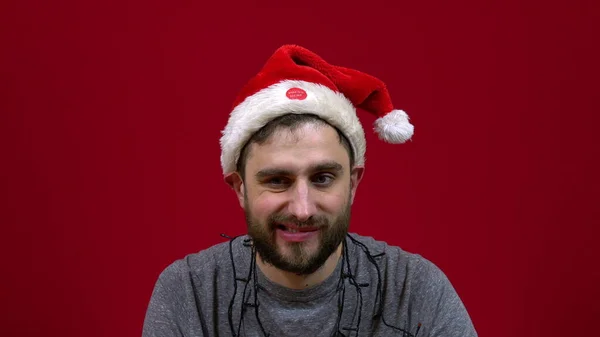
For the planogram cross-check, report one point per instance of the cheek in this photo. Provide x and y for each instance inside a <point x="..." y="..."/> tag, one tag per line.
<point x="265" y="205"/>
<point x="333" y="203"/>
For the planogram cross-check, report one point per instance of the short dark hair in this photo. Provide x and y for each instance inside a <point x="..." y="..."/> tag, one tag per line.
<point x="291" y="122"/>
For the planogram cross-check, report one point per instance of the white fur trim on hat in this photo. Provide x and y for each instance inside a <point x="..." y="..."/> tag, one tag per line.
<point x="257" y="110"/>
<point x="394" y="127"/>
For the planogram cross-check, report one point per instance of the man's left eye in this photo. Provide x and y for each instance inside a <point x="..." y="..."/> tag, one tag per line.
<point x="323" y="179"/>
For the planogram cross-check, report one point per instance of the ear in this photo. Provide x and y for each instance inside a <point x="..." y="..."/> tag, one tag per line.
<point x="355" y="178"/>
<point x="237" y="184"/>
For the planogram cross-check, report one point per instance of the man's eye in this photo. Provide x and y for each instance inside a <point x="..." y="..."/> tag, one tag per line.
<point x="323" y="179"/>
<point x="276" y="181"/>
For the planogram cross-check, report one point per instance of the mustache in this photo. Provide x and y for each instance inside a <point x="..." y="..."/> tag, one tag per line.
<point x="315" y="221"/>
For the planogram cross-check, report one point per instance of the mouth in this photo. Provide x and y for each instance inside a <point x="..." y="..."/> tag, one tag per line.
<point x="293" y="233"/>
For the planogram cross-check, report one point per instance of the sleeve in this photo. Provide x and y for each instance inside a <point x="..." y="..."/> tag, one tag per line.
<point x="445" y="312"/>
<point x="168" y="310"/>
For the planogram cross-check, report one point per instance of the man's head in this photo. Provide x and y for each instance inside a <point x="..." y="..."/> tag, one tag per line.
<point x="296" y="176"/>
<point x="296" y="181"/>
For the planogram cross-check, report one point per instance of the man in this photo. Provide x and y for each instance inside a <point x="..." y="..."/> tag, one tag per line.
<point x="293" y="151"/>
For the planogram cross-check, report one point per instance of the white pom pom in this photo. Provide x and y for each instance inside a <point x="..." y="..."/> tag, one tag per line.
<point x="394" y="127"/>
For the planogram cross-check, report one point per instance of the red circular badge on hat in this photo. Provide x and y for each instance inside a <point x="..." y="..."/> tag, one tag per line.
<point x="296" y="93"/>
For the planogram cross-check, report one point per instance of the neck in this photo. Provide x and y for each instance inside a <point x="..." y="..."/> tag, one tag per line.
<point x="295" y="281"/>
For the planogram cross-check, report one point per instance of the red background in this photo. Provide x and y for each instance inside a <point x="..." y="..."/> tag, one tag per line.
<point x="111" y="113"/>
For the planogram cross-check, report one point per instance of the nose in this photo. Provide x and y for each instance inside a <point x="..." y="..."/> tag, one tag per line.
<point x="302" y="204"/>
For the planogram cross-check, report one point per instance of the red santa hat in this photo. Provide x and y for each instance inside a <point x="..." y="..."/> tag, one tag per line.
<point x="296" y="80"/>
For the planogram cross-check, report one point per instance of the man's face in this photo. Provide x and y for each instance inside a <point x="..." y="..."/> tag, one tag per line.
<point x="297" y="194"/>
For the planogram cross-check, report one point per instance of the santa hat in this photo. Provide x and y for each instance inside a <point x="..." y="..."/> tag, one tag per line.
<point x="296" y="80"/>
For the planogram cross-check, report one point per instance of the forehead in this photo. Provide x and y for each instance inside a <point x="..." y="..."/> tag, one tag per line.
<point x="302" y="147"/>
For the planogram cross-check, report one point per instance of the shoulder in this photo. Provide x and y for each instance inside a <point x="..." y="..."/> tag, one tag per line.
<point x="418" y="281"/>
<point x="187" y="291"/>
<point x="394" y="258"/>
<point x="199" y="267"/>
<point x="422" y="277"/>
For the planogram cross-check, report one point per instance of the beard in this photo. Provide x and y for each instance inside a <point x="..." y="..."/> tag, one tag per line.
<point x="300" y="259"/>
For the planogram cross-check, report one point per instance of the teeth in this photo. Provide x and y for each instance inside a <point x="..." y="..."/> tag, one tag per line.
<point x="292" y="230"/>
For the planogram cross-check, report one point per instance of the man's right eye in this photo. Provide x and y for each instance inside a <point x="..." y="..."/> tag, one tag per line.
<point x="276" y="181"/>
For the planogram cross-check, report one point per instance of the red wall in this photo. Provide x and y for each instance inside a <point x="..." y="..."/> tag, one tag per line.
<point x="111" y="113"/>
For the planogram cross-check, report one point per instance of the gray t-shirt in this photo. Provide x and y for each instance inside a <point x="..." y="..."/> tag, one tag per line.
<point x="375" y="290"/>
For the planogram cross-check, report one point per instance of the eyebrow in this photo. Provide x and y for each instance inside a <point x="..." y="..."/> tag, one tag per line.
<point x="324" y="166"/>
